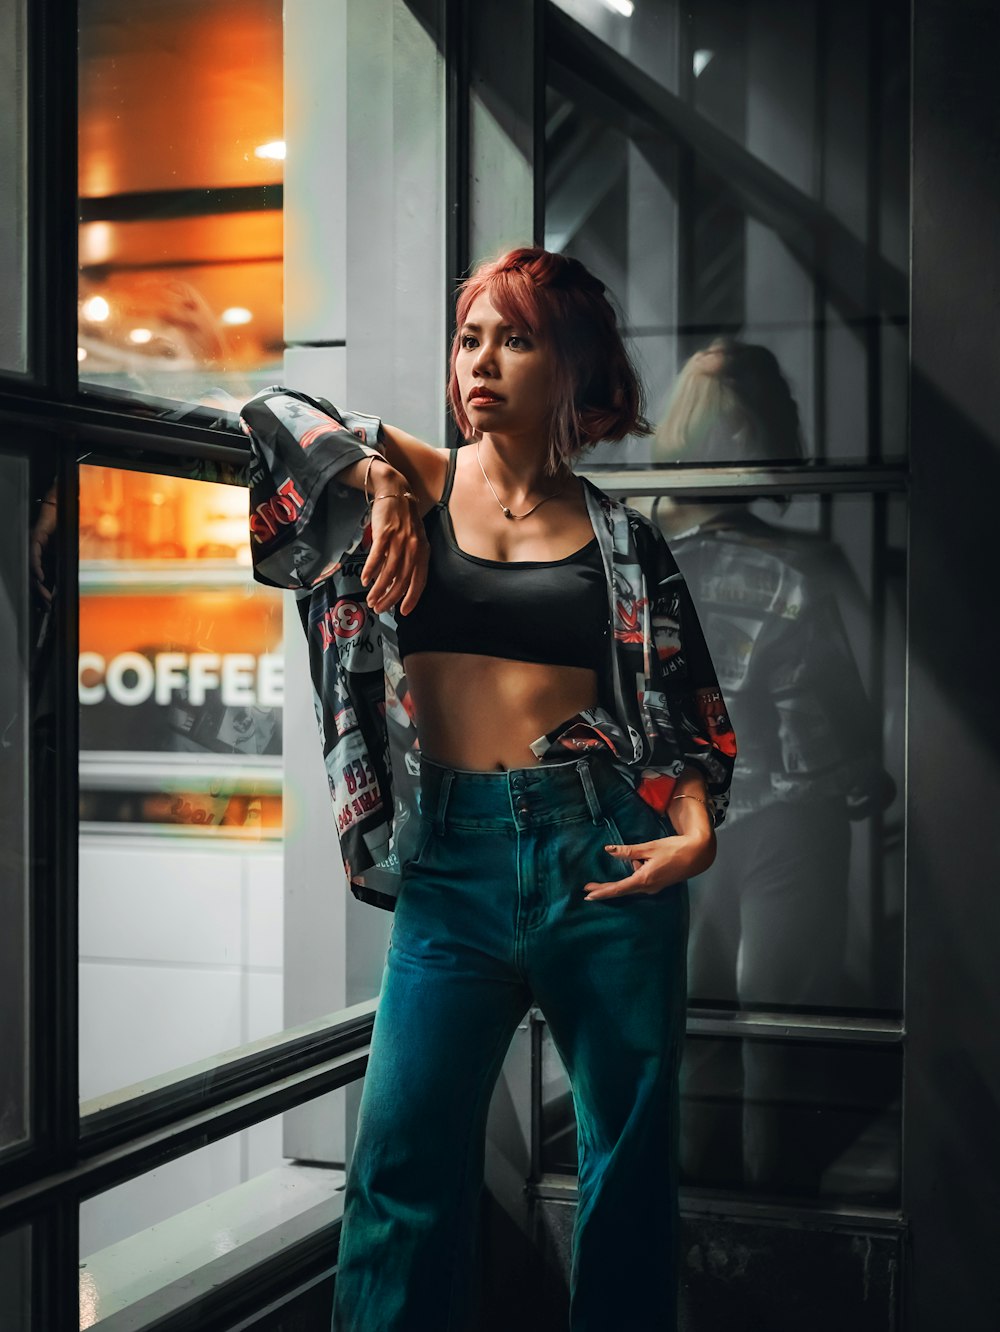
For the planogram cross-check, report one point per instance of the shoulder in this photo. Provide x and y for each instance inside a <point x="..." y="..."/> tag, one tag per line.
<point x="651" y="548"/>
<point x="651" y="545"/>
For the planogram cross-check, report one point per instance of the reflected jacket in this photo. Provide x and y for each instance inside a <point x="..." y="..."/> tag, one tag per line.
<point x="312" y="534"/>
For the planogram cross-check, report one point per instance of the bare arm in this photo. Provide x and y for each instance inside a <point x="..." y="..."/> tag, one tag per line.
<point x="398" y="558"/>
<point x="409" y="464"/>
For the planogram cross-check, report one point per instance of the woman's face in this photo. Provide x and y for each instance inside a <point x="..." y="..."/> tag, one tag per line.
<point x="504" y="374"/>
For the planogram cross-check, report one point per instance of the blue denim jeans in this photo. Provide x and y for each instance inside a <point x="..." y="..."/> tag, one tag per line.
<point x="491" y="918"/>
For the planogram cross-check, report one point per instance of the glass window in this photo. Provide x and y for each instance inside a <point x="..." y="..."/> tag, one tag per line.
<point x="181" y="692"/>
<point x="201" y="1221"/>
<point x="775" y="1118"/>
<point x="26" y="632"/>
<point x="289" y="226"/>
<point x="803" y="606"/>
<point x="13" y="187"/>
<point x="213" y="904"/>
<point x="181" y="196"/>
<point x="740" y="171"/>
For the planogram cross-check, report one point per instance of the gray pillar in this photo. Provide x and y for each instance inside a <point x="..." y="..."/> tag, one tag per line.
<point x="365" y="287"/>
<point x="952" y="1149"/>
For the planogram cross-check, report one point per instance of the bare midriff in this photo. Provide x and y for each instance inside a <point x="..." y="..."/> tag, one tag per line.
<point x="483" y="712"/>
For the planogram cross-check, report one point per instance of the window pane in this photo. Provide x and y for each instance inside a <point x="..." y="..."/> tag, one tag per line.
<point x="742" y="171"/>
<point x="13" y="187"/>
<point x="202" y="1220"/>
<point x="775" y="1118"/>
<point x="214" y="907"/>
<point x="181" y="196"/>
<point x="24" y="627"/>
<point x="803" y="608"/>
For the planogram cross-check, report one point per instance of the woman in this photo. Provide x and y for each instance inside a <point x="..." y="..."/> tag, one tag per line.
<point x="552" y="856"/>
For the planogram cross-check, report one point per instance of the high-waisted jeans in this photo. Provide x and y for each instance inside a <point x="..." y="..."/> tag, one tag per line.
<point x="490" y="918"/>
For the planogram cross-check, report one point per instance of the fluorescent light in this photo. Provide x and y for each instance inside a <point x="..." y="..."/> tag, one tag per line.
<point x="236" y="314"/>
<point x="140" y="335"/>
<point x="701" y="59"/>
<point x="624" y="7"/>
<point x="273" y="152"/>
<point x="96" y="309"/>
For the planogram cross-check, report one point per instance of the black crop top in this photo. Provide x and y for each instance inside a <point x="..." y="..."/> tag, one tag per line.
<point x="553" y="611"/>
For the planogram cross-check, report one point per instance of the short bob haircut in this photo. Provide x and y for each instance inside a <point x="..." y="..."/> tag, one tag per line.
<point x="596" y="393"/>
<point x="731" y="403"/>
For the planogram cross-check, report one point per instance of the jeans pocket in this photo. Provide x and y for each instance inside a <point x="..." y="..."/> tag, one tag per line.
<point x="424" y="835"/>
<point x="621" y="867"/>
<point x="633" y="820"/>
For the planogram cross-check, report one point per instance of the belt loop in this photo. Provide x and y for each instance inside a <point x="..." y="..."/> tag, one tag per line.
<point x="593" y="804"/>
<point x="447" y="777"/>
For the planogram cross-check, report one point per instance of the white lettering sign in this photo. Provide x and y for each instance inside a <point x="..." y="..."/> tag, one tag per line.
<point x="240" y="679"/>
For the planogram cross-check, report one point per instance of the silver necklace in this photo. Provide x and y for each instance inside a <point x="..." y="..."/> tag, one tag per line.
<point x="506" y="512"/>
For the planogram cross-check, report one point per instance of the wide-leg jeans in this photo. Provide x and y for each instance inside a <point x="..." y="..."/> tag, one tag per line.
<point x="491" y="918"/>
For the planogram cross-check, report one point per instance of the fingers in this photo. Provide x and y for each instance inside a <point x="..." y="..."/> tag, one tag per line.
<point x="418" y="581"/>
<point x="641" y="880"/>
<point x="619" y="888"/>
<point x="398" y="562"/>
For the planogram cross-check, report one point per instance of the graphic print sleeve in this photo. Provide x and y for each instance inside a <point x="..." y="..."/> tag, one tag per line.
<point x="303" y="522"/>
<point x="695" y="706"/>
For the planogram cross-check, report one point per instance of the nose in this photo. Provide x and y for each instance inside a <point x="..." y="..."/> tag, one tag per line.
<point x="485" y="360"/>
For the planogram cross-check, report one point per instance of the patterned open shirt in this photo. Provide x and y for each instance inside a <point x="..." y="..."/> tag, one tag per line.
<point x="312" y="534"/>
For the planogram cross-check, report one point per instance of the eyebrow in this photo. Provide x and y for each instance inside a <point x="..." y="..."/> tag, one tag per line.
<point x="478" y="328"/>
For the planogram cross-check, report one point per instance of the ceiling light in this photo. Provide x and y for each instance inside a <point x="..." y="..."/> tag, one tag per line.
<point x="81" y="353"/>
<point x="140" y="335"/>
<point x="236" y="314"/>
<point x="96" y="309"/>
<point x="625" y="7"/>
<point x="272" y="152"/>
<point x="701" y="59"/>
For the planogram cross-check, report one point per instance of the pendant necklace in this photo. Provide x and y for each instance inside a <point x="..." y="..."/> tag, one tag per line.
<point x="503" y="508"/>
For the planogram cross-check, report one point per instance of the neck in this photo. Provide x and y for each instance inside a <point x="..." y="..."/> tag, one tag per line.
<point x="516" y="465"/>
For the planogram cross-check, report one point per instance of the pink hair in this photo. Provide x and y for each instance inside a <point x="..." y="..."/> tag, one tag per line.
<point x="596" y="392"/>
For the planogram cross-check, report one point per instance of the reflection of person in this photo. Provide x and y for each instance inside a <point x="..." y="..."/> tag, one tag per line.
<point x="539" y="872"/>
<point x="769" y="922"/>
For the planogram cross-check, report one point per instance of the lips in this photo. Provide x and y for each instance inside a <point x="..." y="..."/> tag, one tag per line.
<point x="483" y="396"/>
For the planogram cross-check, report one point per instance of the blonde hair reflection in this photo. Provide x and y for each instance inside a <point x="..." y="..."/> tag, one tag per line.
<point x="730" y="403"/>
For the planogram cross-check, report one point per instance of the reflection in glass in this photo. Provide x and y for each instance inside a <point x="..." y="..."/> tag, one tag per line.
<point x="24" y="628"/>
<point x="180" y="292"/>
<point x="813" y="1121"/>
<point x="742" y="170"/>
<point x="13" y="187"/>
<point x="776" y="587"/>
<point x="197" y="1222"/>
<point x="181" y="686"/>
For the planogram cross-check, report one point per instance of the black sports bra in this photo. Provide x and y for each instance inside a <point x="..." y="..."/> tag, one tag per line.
<point x="553" y="611"/>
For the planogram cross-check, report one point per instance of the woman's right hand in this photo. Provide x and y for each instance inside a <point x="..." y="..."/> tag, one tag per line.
<point x="397" y="561"/>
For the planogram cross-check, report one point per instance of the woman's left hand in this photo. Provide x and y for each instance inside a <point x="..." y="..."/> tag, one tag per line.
<point x="657" y="864"/>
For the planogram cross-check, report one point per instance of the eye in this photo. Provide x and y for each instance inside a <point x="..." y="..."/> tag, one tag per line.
<point x="467" y="340"/>
<point x="521" y="342"/>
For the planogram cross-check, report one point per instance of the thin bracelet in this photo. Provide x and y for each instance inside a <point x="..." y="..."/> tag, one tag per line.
<point x="368" y="469"/>
<point x="394" y="494"/>
<point x="682" y="795"/>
